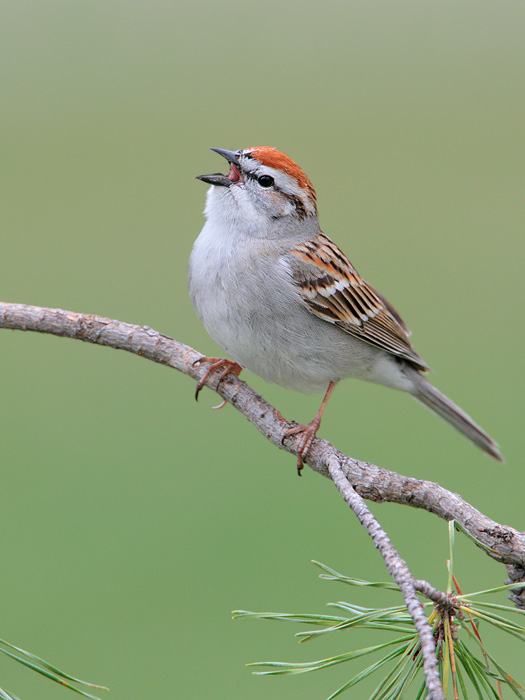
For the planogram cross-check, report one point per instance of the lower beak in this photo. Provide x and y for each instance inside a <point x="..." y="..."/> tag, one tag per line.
<point x="224" y="180"/>
<point x="216" y="179"/>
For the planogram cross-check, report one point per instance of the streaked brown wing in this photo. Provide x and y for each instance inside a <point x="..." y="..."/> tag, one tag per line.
<point x="334" y="291"/>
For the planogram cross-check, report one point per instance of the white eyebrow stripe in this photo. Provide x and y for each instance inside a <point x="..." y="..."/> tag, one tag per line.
<point x="285" y="182"/>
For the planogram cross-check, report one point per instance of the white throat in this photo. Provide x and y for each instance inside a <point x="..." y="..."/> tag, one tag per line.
<point x="231" y="211"/>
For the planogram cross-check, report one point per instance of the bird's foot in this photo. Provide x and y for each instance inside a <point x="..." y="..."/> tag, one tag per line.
<point x="216" y="363"/>
<point x="307" y="432"/>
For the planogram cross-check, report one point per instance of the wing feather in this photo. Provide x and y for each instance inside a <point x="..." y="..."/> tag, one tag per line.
<point x="333" y="290"/>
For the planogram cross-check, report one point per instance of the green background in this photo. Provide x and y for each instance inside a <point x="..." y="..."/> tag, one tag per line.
<point x="134" y="520"/>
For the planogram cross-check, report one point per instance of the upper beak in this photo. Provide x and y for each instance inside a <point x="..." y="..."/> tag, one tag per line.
<point x="218" y="178"/>
<point x="231" y="156"/>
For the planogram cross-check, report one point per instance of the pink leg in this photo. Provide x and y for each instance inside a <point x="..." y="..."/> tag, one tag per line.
<point x="308" y="431"/>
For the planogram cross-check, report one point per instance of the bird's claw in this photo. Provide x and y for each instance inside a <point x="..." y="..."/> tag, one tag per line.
<point x="215" y="363"/>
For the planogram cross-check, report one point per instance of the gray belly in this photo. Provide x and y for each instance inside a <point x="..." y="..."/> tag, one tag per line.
<point x="280" y="340"/>
<point x="261" y="322"/>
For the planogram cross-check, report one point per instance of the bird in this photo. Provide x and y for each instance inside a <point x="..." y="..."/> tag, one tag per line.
<point x="283" y="301"/>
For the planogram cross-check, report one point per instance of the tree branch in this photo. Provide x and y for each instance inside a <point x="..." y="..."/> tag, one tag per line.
<point x="371" y="482"/>
<point x="354" y="479"/>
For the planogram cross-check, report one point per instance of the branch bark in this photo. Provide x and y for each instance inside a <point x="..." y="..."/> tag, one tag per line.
<point x="371" y="482"/>
<point x="354" y="479"/>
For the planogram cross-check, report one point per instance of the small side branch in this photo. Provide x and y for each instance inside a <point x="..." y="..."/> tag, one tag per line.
<point x="371" y="482"/>
<point x="437" y="597"/>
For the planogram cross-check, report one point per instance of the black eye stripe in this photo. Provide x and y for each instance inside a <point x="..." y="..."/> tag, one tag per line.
<point x="299" y="206"/>
<point x="254" y="176"/>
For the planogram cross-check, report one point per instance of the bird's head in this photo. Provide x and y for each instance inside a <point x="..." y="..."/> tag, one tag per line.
<point x="265" y="192"/>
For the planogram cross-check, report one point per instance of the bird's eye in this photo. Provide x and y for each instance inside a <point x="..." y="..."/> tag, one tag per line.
<point x="265" y="180"/>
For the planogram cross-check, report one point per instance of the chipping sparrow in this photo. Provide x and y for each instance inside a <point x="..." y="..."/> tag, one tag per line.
<point x="283" y="301"/>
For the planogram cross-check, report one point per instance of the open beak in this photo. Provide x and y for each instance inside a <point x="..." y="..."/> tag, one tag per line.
<point x="219" y="179"/>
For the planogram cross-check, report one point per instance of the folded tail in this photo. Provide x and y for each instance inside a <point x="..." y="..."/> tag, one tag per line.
<point x="447" y="409"/>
